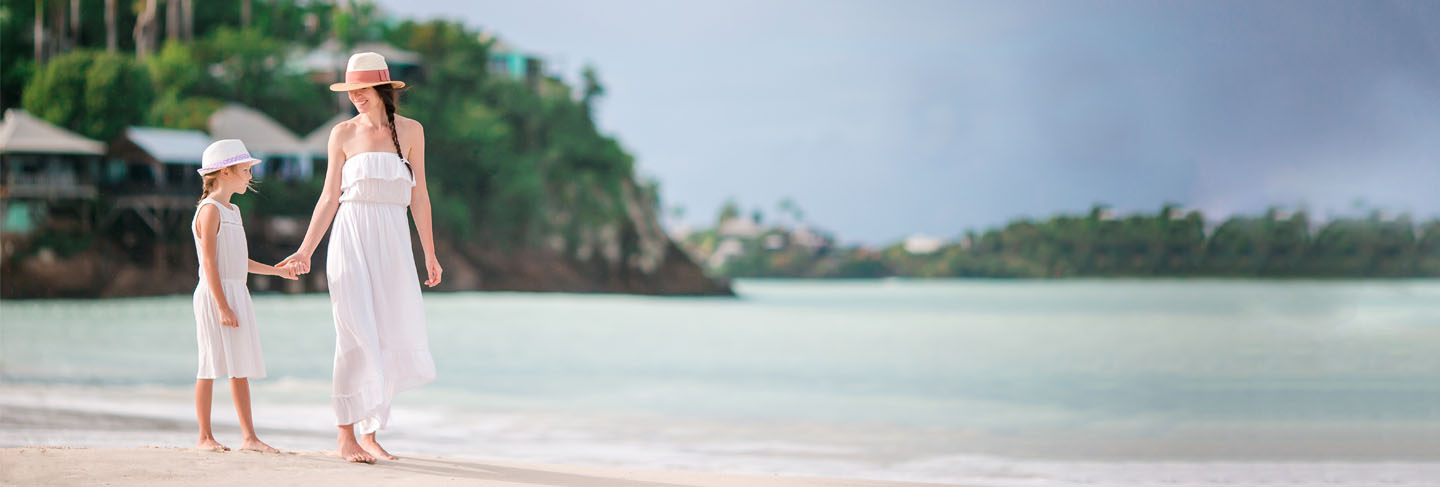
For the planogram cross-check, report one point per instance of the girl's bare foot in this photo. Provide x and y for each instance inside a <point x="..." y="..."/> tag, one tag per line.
<point x="368" y="442"/>
<point x="351" y="451"/>
<point x="211" y="444"/>
<point x="254" y="444"/>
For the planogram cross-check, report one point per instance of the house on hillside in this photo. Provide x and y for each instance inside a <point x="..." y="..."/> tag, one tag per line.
<point x="317" y="143"/>
<point x="150" y="178"/>
<point x="922" y="244"/>
<point x="738" y="227"/>
<point x="517" y="65"/>
<point x="1177" y="213"/>
<point x="146" y="159"/>
<point x="808" y="239"/>
<point x="325" y="63"/>
<point x="724" y="251"/>
<point x="47" y="175"/>
<point x="285" y="157"/>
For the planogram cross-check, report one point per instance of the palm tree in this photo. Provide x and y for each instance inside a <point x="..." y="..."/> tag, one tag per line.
<point x="59" y="36"/>
<point x="39" y="31"/>
<point x="593" y="89"/>
<point x="172" y="20"/>
<point x="729" y="210"/>
<point x="112" y="43"/>
<point x="146" y="29"/>
<point x="75" y="23"/>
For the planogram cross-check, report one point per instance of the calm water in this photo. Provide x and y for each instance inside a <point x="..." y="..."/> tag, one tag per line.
<point x="982" y="382"/>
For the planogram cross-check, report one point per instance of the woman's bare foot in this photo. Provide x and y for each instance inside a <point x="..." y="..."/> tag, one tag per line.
<point x="350" y="450"/>
<point x="211" y="444"/>
<point x="254" y="444"/>
<point x="368" y="442"/>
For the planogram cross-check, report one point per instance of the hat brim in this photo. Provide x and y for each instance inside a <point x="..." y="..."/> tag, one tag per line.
<point x="251" y="161"/>
<point x="356" y="86"/>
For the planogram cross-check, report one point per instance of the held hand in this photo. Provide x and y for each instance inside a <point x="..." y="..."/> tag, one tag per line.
<point x="286" y="271"/>
<point x="433" y="267"/>
<point x="300" y="260"/>
<point x="227" y="317"/>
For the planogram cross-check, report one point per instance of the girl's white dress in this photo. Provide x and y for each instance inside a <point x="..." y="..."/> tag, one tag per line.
<point x="380" y="341"/>
<point x="224" y="350"/>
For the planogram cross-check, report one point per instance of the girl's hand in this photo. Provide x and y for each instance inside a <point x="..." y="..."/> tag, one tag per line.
<point x="433" y="267"/>
<point x="300" y="260"/>
<point x="227" y="317"/>
<point x="286" y="271"/>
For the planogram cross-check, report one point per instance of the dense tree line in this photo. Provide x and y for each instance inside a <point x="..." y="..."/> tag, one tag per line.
<point x="517" y="162"/>
<point x="1167" y="244"/>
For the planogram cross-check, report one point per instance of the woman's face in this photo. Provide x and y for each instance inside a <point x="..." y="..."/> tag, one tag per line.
<point x="366" y="99"/>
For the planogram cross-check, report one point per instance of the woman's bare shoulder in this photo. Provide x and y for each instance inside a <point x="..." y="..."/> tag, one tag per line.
<point x="345" y="127"/>
<point x="407" y="123"/>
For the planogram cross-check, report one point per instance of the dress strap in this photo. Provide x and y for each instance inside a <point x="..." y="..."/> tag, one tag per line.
<point x="227" y="210"/>
<point x="225" y="213"/>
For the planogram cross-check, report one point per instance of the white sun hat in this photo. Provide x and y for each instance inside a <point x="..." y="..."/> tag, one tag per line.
<point x="366" y="69"/>
<point x="223" y="154"/>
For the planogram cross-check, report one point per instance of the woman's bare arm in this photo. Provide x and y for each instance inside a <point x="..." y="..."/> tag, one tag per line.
<point x="325" y="207"/>
<point x="420" y="201"/>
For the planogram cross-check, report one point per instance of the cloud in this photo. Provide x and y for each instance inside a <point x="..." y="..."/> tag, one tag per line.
<point x="884" y="119"/>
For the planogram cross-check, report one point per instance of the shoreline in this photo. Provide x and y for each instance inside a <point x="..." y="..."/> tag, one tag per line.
<point x="161" y="466"/>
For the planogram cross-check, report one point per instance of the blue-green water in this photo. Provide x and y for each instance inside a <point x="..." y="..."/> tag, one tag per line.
<point x="965" y="381"/>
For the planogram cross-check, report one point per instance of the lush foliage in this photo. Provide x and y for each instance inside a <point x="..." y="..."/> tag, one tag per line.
<point x="95" y="93"/>
<point x="521" y="161"/>
<point x="514" y="161"/>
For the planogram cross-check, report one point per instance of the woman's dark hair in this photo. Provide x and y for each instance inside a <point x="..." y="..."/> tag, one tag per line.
<point x="390" y="97"/>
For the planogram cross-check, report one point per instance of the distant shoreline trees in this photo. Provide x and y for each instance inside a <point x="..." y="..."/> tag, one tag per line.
<point x="1170" y="243"/>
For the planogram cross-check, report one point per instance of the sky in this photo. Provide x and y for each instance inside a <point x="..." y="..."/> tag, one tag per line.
<point x="884" y="119"/>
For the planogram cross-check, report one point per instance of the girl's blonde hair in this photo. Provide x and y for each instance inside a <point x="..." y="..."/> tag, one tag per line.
<point x="209" y="182"/>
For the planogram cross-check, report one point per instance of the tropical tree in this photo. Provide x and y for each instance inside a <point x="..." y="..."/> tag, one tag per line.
<point x="95" y="93"/>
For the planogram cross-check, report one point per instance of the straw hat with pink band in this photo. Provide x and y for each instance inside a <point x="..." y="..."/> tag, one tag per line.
<point x="366" y="69"/>
<point x="223" y="154"/>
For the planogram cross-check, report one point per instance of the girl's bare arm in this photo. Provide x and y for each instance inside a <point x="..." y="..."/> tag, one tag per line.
<point x="207" y="226"/>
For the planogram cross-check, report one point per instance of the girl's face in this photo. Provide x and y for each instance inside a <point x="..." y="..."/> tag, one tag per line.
<point x="366" y="99"/>
<point x="237" y="178"/>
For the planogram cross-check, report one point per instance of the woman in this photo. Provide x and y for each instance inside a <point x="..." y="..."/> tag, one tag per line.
<point x="376" y="169"/>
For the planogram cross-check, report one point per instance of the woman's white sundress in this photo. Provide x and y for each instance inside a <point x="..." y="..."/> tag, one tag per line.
<point x="381" y="346"/>
<point x="224" y="350"/>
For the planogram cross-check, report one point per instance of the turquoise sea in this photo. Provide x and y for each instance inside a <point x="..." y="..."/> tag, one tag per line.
<point x="979" y="382"/>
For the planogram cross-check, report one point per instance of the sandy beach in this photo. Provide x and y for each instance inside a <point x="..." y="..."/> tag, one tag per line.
<point x="151" y="466"/>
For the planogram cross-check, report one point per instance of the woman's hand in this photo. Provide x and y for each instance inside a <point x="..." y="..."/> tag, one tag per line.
<point x="300" y="260"/>
<point x="227" y="317"/>
<point x="433" y="267"/>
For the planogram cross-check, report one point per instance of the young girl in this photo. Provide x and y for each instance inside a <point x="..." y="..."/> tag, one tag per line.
<point x="224" y="319"/>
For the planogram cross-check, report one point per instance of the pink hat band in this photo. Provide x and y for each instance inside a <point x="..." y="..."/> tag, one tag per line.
<point x="228" y="161"/>
<point x="219" y="156"/>
<point x="368" y="76"/>
<point x="366" y="69"/>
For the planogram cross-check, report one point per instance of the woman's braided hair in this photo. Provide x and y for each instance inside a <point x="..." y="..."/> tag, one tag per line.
<point x="388" y="96"/>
